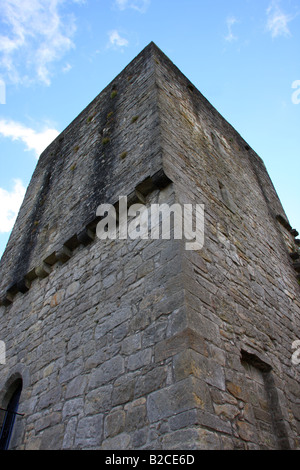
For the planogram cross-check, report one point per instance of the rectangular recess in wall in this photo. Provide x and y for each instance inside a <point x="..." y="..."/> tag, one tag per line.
<point x="264" y="403"/>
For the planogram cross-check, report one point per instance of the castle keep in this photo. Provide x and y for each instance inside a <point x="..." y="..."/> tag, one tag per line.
<point x="141" y="343"/>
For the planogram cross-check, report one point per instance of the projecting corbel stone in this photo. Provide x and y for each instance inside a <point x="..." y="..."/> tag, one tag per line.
<point x="6" y="299"/>
<point x="283" y="222"/>
<point x="160" y="179"/>
<point x="85" y="237"/>
<point x="31" y="276"/>
<point x="132" y="198"/>
<point x="145" y="187"/>
<point x="23" y="285"/>
<point x="297" y="266"/>
<point x="157" y="181"/>
<point x="50" y="259"/>
<point x="140" y="197"/>
<point x="63" y="255"/>
<point x="12" y="290"/>
<point x="72" y="243"/>
<point x="294" y="232"/>
<point x="92" y="224"/>
<point x="42" y="271"/>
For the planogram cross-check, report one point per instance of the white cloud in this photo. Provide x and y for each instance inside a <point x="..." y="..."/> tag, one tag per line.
<point x="277" y="20"/>
<point x="35" y="35"/>
<point x="10" y="202"/>
<point x="116" y="40"/>
<point x="230" y="22"/>
<point x="36" y="141"/>
<point x="67" y="68"/>
<point x="138" y="5"/>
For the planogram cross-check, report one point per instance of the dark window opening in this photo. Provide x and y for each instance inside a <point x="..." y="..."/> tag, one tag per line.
<point x="10" y="416"/>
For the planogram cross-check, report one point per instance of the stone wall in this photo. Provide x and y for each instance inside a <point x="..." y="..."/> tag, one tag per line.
<point x="241" y="289"/>
<point x="87" y="337"/>
<point x="142" y="344"/>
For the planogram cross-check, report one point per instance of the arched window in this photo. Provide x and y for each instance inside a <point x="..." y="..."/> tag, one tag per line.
<point x="10" y="415"/>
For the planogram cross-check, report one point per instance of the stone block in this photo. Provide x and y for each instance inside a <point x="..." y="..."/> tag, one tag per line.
<point x="114" y="423"/>
<point x="72" y="288"/>
<point x="76" y="387"/>
<point x="191" y="439"/>
<point x="136" y="416"/>
<point x="98" y="400"/>
<point x="184" y="340"/>
<point x="71" y="370"/>
<point x="69" y="435"/>
<point x="89" y="432"/>
<point x="123" y="390"/>
<point x="139" y="359"/>
<point x="107" y="372"/>
<point x="120" y="442"/>
<point x="187" y="394"/>
<point x="73" y="407"/>
<point x="150" y="381"/>
<point x="52" y="438"/>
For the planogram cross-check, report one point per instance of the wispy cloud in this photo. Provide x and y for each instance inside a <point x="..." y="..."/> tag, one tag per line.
<point x="66" y="68"/>
<point x="10" y="202"/>
<point x="138" y="5"/>
<point x="34" y="141"/>
<point x="115" y="40"/>
<point x="35" y="35"/>
<point x="230" y="22"/>
<point x="277" y="20"/>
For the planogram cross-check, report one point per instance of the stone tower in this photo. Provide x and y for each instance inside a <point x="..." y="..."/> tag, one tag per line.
<point x="139" y="343"/>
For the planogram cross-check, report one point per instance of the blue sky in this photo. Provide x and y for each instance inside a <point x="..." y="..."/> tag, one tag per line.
<point x="57" y="55"/>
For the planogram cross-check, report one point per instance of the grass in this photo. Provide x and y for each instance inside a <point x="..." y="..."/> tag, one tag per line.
<point x="89" y="119"/>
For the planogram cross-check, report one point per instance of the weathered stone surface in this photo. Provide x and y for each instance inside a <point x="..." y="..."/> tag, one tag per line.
<point x="122" y="442"/>
<point x="114" y="423"/>
<point x="182" y="341"/>
<point x="89" y="433"/>
<point x="52" y="438"/>
<point x="181" y="396"/>
<point x="107" y="372"/>
<point x="76" y="387"/>
<point x="142" y="344"/>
